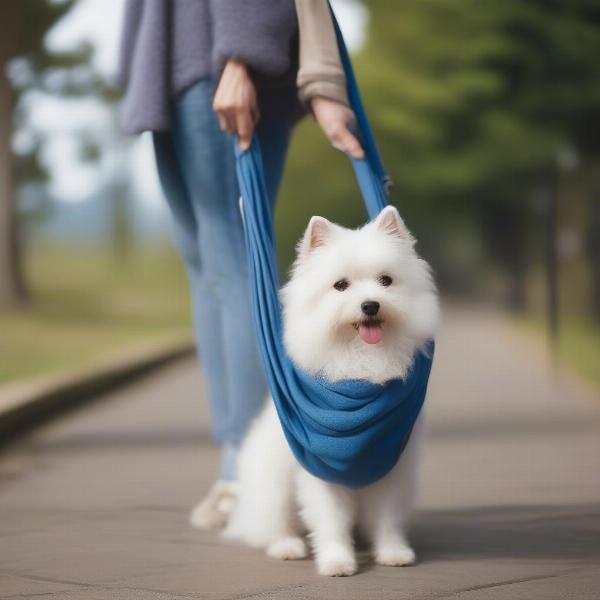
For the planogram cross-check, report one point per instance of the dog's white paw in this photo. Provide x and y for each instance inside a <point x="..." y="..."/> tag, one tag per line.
<point x="336" y="560"/>
<point x="287" y="548"/>
<point x="395" y="556"/>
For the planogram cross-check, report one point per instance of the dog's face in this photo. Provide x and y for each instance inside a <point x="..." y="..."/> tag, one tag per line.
<point x="359" y="302"/>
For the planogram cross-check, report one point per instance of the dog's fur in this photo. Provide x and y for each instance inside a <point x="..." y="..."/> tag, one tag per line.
<point x="325" y="325"/>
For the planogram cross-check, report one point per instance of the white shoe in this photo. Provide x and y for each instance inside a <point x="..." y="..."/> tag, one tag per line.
<point x="213" y="511"/>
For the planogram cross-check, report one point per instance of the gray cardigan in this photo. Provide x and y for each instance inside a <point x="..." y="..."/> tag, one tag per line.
<point x="167" y="45"/>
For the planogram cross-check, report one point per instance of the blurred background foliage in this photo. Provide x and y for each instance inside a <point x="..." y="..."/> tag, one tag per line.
<point x="487" y="115"/>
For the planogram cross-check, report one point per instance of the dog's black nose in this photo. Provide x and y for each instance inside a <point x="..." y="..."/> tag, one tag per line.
<point x="370" y="307"/>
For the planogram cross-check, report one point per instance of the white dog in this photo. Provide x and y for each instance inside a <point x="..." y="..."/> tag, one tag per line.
<point x="358" y="305"/>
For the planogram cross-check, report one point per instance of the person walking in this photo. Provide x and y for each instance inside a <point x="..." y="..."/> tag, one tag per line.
<point x="198" y="74"/>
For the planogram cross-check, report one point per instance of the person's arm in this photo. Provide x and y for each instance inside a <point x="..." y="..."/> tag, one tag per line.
<point x="321" y="80"/>
<point x="235" y="100"/>
<point x="321" y="72"/>
<point x="248" y="36"/>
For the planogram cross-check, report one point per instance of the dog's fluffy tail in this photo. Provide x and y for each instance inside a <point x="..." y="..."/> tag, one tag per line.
<point x="266" y="509"/>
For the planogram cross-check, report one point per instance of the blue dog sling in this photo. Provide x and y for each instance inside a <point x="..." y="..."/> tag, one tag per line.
<point x="349" y="432"/>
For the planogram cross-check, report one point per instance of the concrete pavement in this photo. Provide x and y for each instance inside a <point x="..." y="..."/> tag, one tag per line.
<point x="95" y="505"/>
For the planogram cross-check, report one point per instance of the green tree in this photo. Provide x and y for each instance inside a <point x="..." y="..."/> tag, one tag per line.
<point x="26" y="64"/>
<point x="472" y="102"/>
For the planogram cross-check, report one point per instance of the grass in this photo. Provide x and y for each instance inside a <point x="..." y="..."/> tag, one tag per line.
<point x="86" y="305"/>
<point x="578" y="344"/>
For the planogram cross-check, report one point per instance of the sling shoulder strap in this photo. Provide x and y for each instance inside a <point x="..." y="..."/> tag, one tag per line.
<point x="349" y="432"/>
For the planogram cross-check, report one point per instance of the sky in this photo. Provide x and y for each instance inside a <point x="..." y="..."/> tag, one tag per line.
<point x="99" y="22"/>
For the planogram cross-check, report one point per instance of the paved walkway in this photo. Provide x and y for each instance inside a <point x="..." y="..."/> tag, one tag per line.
<point x="95" y="506"/>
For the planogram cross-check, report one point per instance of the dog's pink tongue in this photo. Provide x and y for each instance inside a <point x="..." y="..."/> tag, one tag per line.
<point x="372" y="334"/>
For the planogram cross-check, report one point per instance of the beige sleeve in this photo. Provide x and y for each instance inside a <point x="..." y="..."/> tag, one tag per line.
<point x="321" y="72"/>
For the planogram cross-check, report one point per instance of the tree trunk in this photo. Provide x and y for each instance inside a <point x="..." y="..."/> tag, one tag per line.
<point x="593" y="249"/>
<point x="504" y="226"/>
<point x="12" y="287"/>
<point x="551" y="258"/>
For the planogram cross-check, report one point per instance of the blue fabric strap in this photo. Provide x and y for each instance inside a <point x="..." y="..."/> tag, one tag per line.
<point x="350" y="432"/>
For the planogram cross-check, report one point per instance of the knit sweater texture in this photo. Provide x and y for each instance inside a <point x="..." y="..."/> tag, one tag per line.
<point x="168" y="45"/>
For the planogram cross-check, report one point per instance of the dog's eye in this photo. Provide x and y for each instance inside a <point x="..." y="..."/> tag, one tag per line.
<point x="385" y="280"/>
<point x="341" y="285"/>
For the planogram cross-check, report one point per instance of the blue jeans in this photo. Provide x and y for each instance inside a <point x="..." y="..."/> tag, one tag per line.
<point x="196" y="168"/>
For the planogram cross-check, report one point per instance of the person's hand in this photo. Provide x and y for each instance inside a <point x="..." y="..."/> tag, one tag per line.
<point x="235" y="102"/>
<point x="335" y="120"/>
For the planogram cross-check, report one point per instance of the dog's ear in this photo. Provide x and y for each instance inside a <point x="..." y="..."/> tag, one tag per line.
<point x="390" y="221"/>
<point x="317" y="233"/>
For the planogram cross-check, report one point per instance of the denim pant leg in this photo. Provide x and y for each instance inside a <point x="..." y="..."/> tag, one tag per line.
<point x="197" y="170"/>
<point x="205" y="309"/>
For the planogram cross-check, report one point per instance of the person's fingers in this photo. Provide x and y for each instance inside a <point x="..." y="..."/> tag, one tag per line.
<point x="351" y="144"/>
<point x="231" y="121"/>
<point x="345" y="141"/>
<point x="222" y="120"/>
<point x="255" y="115"/>
<point x="228" y="120"/>
<point x="244" y="127"/>
<point x="337" y="121"/>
